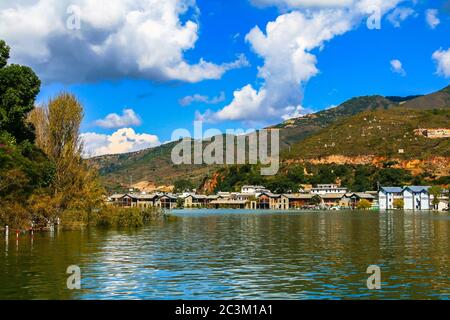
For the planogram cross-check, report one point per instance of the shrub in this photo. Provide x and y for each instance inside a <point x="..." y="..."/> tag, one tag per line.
<point x="399" y="204"/>
<point x="125" y="217"/>
<point x="364" y="205"/>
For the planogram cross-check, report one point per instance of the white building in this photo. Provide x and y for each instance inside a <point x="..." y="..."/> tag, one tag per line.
<point x="416" y="198"/>
<point x="387" y="195"/>
<point x="254" y="189"/>
<point x="327" y="189"/>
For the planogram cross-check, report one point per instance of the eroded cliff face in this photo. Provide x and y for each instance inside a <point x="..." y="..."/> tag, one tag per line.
<point x="210" y="184"/>
<point x="439" y="166"/>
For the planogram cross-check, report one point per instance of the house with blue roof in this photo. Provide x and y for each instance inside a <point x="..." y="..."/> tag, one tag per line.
<point x="416" y="198"/>
<point x="387" y="195"/>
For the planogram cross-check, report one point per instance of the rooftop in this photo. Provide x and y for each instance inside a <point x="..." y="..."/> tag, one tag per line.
<point x="417" y="188"/>
<point x="392" y="189"/>
<point x="332" y="195"/>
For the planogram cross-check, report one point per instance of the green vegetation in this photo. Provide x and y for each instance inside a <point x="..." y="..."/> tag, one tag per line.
<point x="436" y="193"/>
<point x="109" y="216"/>
<point x="25" y="171"/>
<point x="377" y="133"/>
<point x="316" y="200"/>
<point x="75" y="185"/>
<point x="291" y="177"/>
<point x="398" y="204"/>
<point x="180" y="203"/>
<point x="183" y="185"/>
<point x="364" y="205"/>
<point x="43" y="177"/>
<point x="126" y="217"/>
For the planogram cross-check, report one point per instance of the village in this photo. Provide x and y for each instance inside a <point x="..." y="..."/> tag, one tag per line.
<point x="319" y="197"/>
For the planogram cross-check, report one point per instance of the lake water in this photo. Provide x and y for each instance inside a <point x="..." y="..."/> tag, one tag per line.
<point x="233" y="254"/>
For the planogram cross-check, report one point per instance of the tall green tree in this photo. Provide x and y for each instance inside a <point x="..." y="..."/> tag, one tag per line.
<point x="436" y="192"/>
<point x="19" y="87"/>
<point x="24" y="168"/>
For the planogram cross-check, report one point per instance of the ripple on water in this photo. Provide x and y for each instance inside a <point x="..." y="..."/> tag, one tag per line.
<point x="232" y="255"/>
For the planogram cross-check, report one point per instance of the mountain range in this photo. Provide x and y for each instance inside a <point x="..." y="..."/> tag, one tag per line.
<point x="368" y="129"/>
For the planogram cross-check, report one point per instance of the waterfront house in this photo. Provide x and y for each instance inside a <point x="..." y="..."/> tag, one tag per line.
<point x="332" y="199"/>
<point x="352" y="199"/>
<point x="166" y="201"/>
<point x="295" y="201"/>
<point x="387" y="196"/>
<point x="133" y="200"/>
<point x="224" y="195"/>
<point x="115" y="198"/>
<point x="195" y="200"/>
<point x="321" y="189"/>
<point x="416" y="198"/>
<point x="229" y="203"/>
<point x="269" y="200"/>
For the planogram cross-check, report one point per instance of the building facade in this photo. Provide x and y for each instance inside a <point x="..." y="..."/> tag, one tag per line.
<point x="328" y="189"/>
<point x="413" y="197"/>
<point x="387" y="196"/>
<point x="416" y="198"/>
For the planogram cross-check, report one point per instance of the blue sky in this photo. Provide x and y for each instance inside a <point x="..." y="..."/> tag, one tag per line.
<point x="352" y="61"/>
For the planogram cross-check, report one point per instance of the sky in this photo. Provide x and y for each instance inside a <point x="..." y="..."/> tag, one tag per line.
<point x="144" y="68"/>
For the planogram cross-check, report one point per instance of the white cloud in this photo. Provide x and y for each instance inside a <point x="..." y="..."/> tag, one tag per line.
<point x="116" y="38"/>
<point x="122" y="141"/>
<point x="246" y="102"/>
<point x="397" y="67"/>
<point x="398" y="15"/>
<point x="362" y="5"/>
<point x="113" y="120"/>
<point x="302" y="3"/>
<point x="432" y="19"/>
<point x="289" y="62"/>
<point x="442" y="58"/>
<point x="202" y="99"/>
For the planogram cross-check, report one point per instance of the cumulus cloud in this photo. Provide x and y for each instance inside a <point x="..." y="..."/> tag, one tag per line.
<point x="286" y="47"/>
<point x="115" y="38"/>
<point x="442" y="59"/>
<point x="397" y="67"/>
<point x="431" y="16"/>
<point x="302" y="3"/>
<point x="122" y="141"/>
<point x="202" y="99"/>
<point x="363" y="5"/>
<point x="113" y="120"/>
<point x="398" y="15"/>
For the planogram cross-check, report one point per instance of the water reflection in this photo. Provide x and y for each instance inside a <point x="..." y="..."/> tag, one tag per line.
<point x="233" y="254"/>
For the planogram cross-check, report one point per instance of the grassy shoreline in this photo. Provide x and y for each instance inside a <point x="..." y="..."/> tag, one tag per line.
<point x="75" y="219"/>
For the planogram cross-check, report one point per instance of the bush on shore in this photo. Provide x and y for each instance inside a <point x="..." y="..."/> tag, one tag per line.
<point x="109" y="216"/>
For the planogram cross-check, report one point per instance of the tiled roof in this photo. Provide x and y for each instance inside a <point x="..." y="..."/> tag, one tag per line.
<point x="392" y="189"/>
<point x="117" y="196"/>
<point x="332" y="195"/>
<point x="269" y="194"/>
<point x="298" y="196"/>
<point x="364" y="195"/>
<point x="417" y="188"/>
